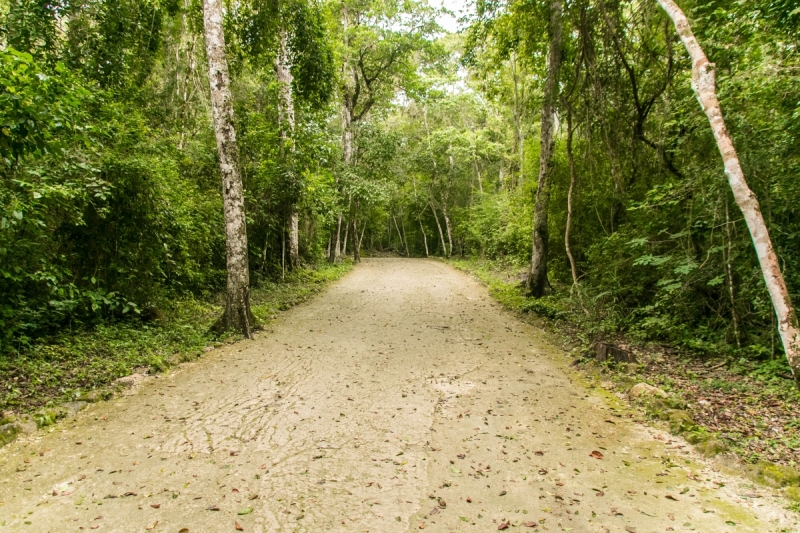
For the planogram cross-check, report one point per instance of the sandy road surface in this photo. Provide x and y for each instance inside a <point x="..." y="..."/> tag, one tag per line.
<point x="402" y="398"/>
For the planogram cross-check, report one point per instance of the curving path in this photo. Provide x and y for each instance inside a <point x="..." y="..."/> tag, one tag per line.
<point x="401" y="399"/>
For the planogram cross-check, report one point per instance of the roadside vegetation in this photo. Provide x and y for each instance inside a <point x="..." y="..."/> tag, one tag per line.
<point x="171" y="172"/>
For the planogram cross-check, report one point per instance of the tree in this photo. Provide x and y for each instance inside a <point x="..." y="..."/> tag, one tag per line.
<point x="237" y="315"/>
<point x="382" y="45"/>
<point x="704" y="85"/>
<point x="537" y="281"/>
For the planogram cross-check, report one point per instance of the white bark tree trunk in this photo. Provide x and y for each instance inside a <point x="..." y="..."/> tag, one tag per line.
<point x="703" y="83"/>
<point x="441" y="235"/>
<point x="286" y="124"/>
<point x="237" y="315"/>
<point x="424" y="237"/>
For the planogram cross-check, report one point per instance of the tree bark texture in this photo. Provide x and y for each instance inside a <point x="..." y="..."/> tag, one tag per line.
<point x="237" y="315"/>
<point x="537" y="279"/>
<point x="286" y="123"/>
<point x="703" y="83"/>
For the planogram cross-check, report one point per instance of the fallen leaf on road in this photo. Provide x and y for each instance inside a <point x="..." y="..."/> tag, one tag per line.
<point x="238" y="526"/>
<point x="469" y="500"/>
<point x="183" y="530"/>
<point x="596" y="454"/>
<point x="253" y="497"/>
<point x="212" y="508"/>
<point x="503" y="493"/>
<point x="422" y="525"/>
<point x="244" y="511"/>
<point x="152" y="526"/>
<point x="155" y="505"/>
<point x="504" y="525"/>
<point x="630" y="529"/>
<point x="671" y="497"/>
<point x="530" y="524"/>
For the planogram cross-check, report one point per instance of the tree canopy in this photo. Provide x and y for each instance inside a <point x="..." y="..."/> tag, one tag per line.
<point x="405" y="139"/>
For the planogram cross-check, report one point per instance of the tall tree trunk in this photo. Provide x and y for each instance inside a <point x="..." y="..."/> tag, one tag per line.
<point x="424" y="237"/>
<point x="237" y="315"/>
<point x="537" y="280"/>
<point x="438" y="225"/>
<point x="703" y="83"/>
<point x="405" y="237"/>
<point x="727" y="256"/>
<point x="344" y="241"/>
<point x="356" y="242"/>
<point x="399" y="235"/>
<point x="347" y="118"/>
<point x="572" y="180"/>
<point x="286" y="124"/>
<point x="336" y="251"/>
<point x="449" y="228"/>
<point x="517" y="115"/>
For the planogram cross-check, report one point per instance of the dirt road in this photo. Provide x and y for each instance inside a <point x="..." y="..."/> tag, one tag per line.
<point x="403" y="398"/>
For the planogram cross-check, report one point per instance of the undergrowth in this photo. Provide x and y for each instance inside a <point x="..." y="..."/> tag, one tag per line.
<point x="68" y="365"/>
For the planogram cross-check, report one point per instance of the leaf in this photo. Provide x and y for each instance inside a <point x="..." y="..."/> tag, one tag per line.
<point x="212" y="508"/>
<point x="530" y="524"/>
<point x="671" y="497"/>
<point x="596" y="454"/>
<point x="238" y="526"/>
<point x="244" y="511"/>
<point x="183" y="530"/>
<point x="504" y="525"/>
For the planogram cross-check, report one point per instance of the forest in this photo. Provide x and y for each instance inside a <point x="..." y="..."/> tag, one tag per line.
<point x="163" y="151"/>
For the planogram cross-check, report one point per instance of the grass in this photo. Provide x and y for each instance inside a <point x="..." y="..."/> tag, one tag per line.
<point x="71" y="364"/>
<point x="744" y="403"/>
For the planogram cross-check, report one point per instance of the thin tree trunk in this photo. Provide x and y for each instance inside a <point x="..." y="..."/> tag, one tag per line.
<point x="518" y="110"/>
<point x="356" y="251"/>
<point x="537" y="280"/>
<point x="344" y="241"/>
<point x="286" y="124"/>
<point x="438" y="225"/>
<point x="399" y="235"/>
<point x="347" y="119"/>
<point x="237" y="315"/>
<point x="405" y="237"/>
<point x="449" y="228"/>
<point x="424" y="237"/>
<point x="703" y="83"/>
<point x="572" y="180"/>
<point x="335" y="255"/>
<point x="729" y="275"/>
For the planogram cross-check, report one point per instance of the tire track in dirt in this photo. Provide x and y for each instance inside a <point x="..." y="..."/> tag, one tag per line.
<point x="403" y="381"/>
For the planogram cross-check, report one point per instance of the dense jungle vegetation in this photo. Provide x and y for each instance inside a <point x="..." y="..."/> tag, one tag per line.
<point x="362" y="126"/>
